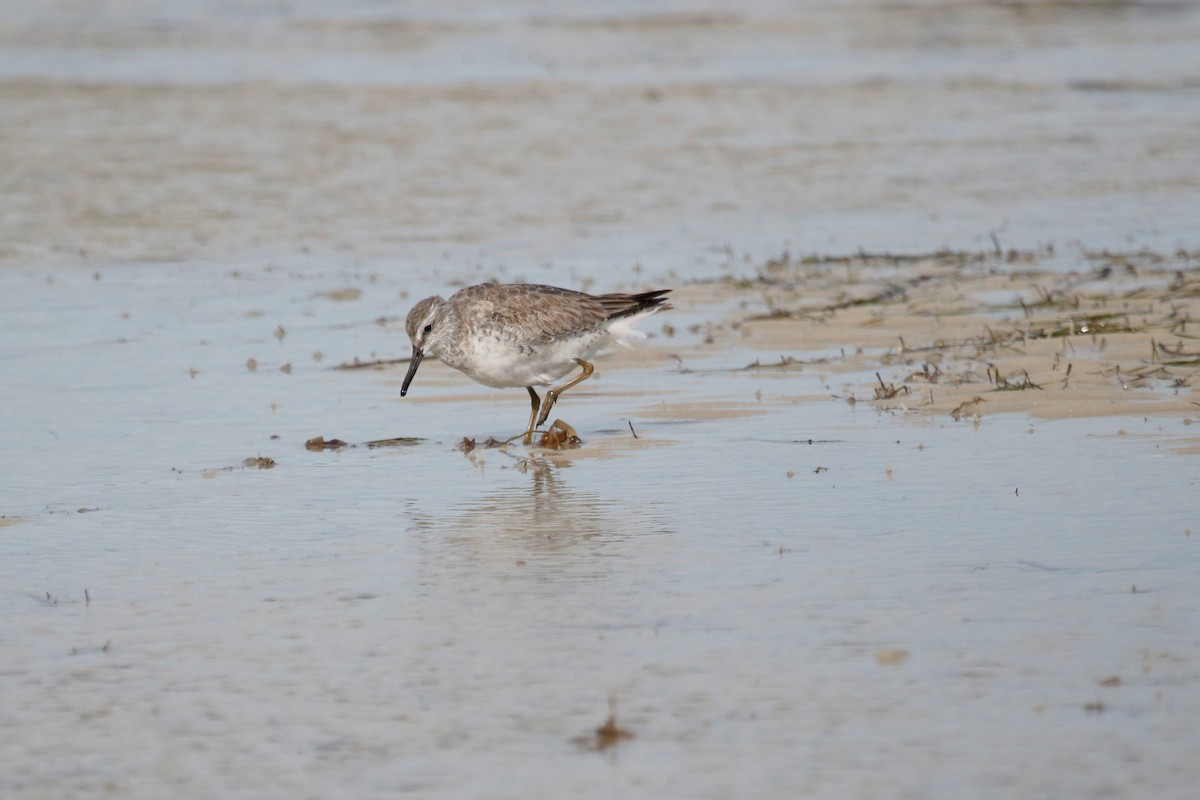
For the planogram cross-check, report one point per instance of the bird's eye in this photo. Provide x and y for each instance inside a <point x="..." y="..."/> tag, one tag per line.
<point x="428" y="328"/>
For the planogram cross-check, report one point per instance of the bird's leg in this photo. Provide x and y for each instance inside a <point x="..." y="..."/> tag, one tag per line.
<point x="552" y="394"/>
<point x="526" y="436"/>
<point x="537" y="404"/>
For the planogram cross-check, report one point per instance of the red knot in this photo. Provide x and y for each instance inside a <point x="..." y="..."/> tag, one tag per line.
<point x="524" y="335"/>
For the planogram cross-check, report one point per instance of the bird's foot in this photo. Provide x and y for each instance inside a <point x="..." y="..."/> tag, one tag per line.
<point x="526" y="437"/>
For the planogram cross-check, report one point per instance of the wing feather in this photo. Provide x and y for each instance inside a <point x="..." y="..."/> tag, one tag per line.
<point x="536" y="312"/>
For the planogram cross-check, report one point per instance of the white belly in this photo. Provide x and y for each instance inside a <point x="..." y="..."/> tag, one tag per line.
<point x="502" y="364"/>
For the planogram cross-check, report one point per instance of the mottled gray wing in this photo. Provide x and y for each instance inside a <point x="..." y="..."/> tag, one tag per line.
<point x="532" y="312"/>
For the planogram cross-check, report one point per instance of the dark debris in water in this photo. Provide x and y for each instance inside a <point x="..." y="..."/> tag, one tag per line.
<point x="79" y="651"/>
<point x="395" y="441"/>
<point x="560" y="436"/>
<point x="319" y="443"/>
<point x="468" y="444"/>
<point x="607" y="735"/>
<point x="259" y="462"/>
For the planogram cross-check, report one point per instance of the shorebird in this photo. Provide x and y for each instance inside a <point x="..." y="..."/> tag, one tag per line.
<point x="522" y="335"/>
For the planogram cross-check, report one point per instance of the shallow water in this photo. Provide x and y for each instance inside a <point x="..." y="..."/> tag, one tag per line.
<point x="852" y="614"/>
<point x="785" y="594"/>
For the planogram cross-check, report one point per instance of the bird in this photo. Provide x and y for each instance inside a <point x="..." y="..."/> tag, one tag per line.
<point x="525" y="335"/>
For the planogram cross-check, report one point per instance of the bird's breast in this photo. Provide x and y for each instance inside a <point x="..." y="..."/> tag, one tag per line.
<point x="508" y="363"/>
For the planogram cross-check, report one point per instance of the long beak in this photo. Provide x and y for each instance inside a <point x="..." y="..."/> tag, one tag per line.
<point x="417" y="355"/>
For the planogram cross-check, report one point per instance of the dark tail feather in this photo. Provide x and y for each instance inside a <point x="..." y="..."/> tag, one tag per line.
<point x="625" y="305"/>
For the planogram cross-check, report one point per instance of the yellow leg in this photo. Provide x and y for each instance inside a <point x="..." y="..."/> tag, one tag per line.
<point x="537" y="404"/>
<point x="552" y="394"/>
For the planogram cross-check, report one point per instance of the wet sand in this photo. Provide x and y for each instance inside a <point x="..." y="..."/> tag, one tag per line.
<point x="974" y="334"/>
<point x="897" y="501"/>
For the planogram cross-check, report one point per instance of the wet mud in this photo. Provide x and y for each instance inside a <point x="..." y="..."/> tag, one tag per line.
<point x="1013" y="331"/>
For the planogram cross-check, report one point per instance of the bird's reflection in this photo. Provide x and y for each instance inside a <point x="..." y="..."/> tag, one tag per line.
<point x="538" y="514"/>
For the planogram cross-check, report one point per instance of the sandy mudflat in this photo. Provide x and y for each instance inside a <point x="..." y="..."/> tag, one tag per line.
<point x="983" y="334"/>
